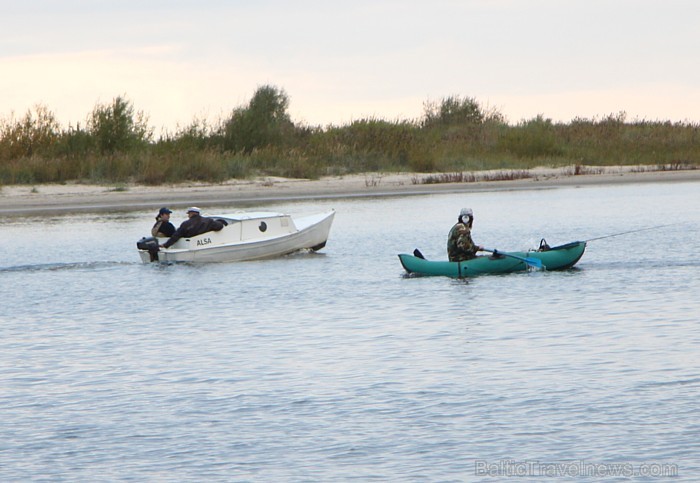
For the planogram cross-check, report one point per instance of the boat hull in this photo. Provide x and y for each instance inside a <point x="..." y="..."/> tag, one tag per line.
<point x="303" y="233"/>
<point x="557" y="258"/>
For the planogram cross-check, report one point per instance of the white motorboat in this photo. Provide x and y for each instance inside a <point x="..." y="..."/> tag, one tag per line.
<point x="247" y="236"/>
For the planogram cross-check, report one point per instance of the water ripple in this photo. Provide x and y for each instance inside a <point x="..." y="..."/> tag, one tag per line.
<point x="337" y="367"/>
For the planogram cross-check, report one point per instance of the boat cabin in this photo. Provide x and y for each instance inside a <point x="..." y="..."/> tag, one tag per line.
<point x="241" y="228"/>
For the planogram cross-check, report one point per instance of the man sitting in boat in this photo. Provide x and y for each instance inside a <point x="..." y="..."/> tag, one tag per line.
<point x="163" y="228"/>
<point x="460" y="246"/>
<point x="196" y="224"/>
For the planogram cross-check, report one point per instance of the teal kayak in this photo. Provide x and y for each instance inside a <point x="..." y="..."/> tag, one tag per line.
<point x="556" y="258"/>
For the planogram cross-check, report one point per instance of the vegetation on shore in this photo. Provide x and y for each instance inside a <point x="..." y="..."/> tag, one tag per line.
<point x="454" y="135"/>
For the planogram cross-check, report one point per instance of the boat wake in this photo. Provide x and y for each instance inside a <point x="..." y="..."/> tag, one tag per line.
<point x="304" y="252"/>
<point x="66" y="266"/>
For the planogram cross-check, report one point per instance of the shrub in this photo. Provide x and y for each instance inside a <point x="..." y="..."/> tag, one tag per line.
<point x="116" y="127"/>
<point x="452" y="111"/>
<point x="264" y="122"/>
<point x="36" y="133"/>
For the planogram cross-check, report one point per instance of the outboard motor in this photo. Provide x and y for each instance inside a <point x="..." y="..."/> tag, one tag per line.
<point x="150" y="244"/>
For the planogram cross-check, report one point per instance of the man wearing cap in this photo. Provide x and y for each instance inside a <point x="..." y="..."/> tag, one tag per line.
<point x="163" y="228"/>
<point x="460" y="246"/>
<point x="196" y="224"/>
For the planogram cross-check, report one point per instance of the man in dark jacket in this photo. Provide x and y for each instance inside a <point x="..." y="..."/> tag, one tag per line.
<point x="196" y="224"/>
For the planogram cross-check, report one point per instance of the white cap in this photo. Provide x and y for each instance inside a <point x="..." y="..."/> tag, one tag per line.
<point x="466" y="212"/>
<point x="194" y="208"/>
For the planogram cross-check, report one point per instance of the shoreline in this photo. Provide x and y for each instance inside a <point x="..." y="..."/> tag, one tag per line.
<point x="24" y="200"/>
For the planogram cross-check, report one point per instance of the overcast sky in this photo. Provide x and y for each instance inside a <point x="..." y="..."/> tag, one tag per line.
<point x="178" y="60"/>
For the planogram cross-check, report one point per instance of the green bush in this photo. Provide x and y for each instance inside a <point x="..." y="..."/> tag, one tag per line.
<point x="115" y="127"/>
<point x="37" y="133"/>
<point x="264" y="122"/>
<point x="452" y="111"/>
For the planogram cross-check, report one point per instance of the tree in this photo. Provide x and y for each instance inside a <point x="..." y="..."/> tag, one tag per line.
<point x="264" y="122"/>
<point x="116" y="127"/>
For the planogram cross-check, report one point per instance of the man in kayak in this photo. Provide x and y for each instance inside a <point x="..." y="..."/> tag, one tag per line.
<point x="163" y="228"/>
<point x="460" y="245"/>
<point x="196" y="224"/>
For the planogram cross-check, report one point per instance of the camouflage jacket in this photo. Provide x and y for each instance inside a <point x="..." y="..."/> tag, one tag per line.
<point x="460" y="246"/>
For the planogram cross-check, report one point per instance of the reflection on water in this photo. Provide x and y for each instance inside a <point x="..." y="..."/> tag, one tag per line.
<point x="335" y="365"/>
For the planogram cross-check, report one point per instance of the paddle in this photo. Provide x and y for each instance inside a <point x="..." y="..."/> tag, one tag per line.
<point x="532" y="262"/>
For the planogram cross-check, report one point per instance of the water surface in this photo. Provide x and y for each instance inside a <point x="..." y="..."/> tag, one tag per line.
<point x="335" y="366"/>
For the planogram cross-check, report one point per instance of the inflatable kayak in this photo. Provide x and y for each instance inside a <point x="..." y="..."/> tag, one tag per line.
<point x="556" y="258"/>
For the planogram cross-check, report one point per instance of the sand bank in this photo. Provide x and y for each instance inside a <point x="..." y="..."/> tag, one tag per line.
<point x="67" y="198"/>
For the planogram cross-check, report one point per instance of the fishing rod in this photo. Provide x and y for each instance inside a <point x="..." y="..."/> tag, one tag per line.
<point x="632" y="231"/>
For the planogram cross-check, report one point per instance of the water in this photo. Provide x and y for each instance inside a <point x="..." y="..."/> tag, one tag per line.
<point x="334" y="366"/>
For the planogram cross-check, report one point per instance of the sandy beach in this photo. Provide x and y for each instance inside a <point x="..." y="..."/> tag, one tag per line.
<point x="66" y="198"/>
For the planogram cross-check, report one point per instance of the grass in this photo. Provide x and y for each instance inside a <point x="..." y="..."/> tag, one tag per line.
<point x="373" y="181"/>
<point x="666" y="167"/>
<point x="501" y="175"/>
<point x="578" y="170"/>
<point x="456" y="140"/>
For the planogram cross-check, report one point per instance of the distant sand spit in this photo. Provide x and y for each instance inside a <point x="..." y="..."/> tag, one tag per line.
<point x="67" y="198"/>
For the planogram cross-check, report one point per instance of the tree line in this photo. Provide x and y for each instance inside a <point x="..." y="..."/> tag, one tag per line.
<point x="455" y="134"/>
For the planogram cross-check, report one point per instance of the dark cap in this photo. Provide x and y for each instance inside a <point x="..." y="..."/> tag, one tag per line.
<point x="164" y="210"/>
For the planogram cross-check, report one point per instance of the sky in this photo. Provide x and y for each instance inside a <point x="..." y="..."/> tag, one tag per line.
<point x="180" y="60"/>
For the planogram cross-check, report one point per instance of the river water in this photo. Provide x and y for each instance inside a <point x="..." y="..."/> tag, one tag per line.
<point x="335" y="366"/>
